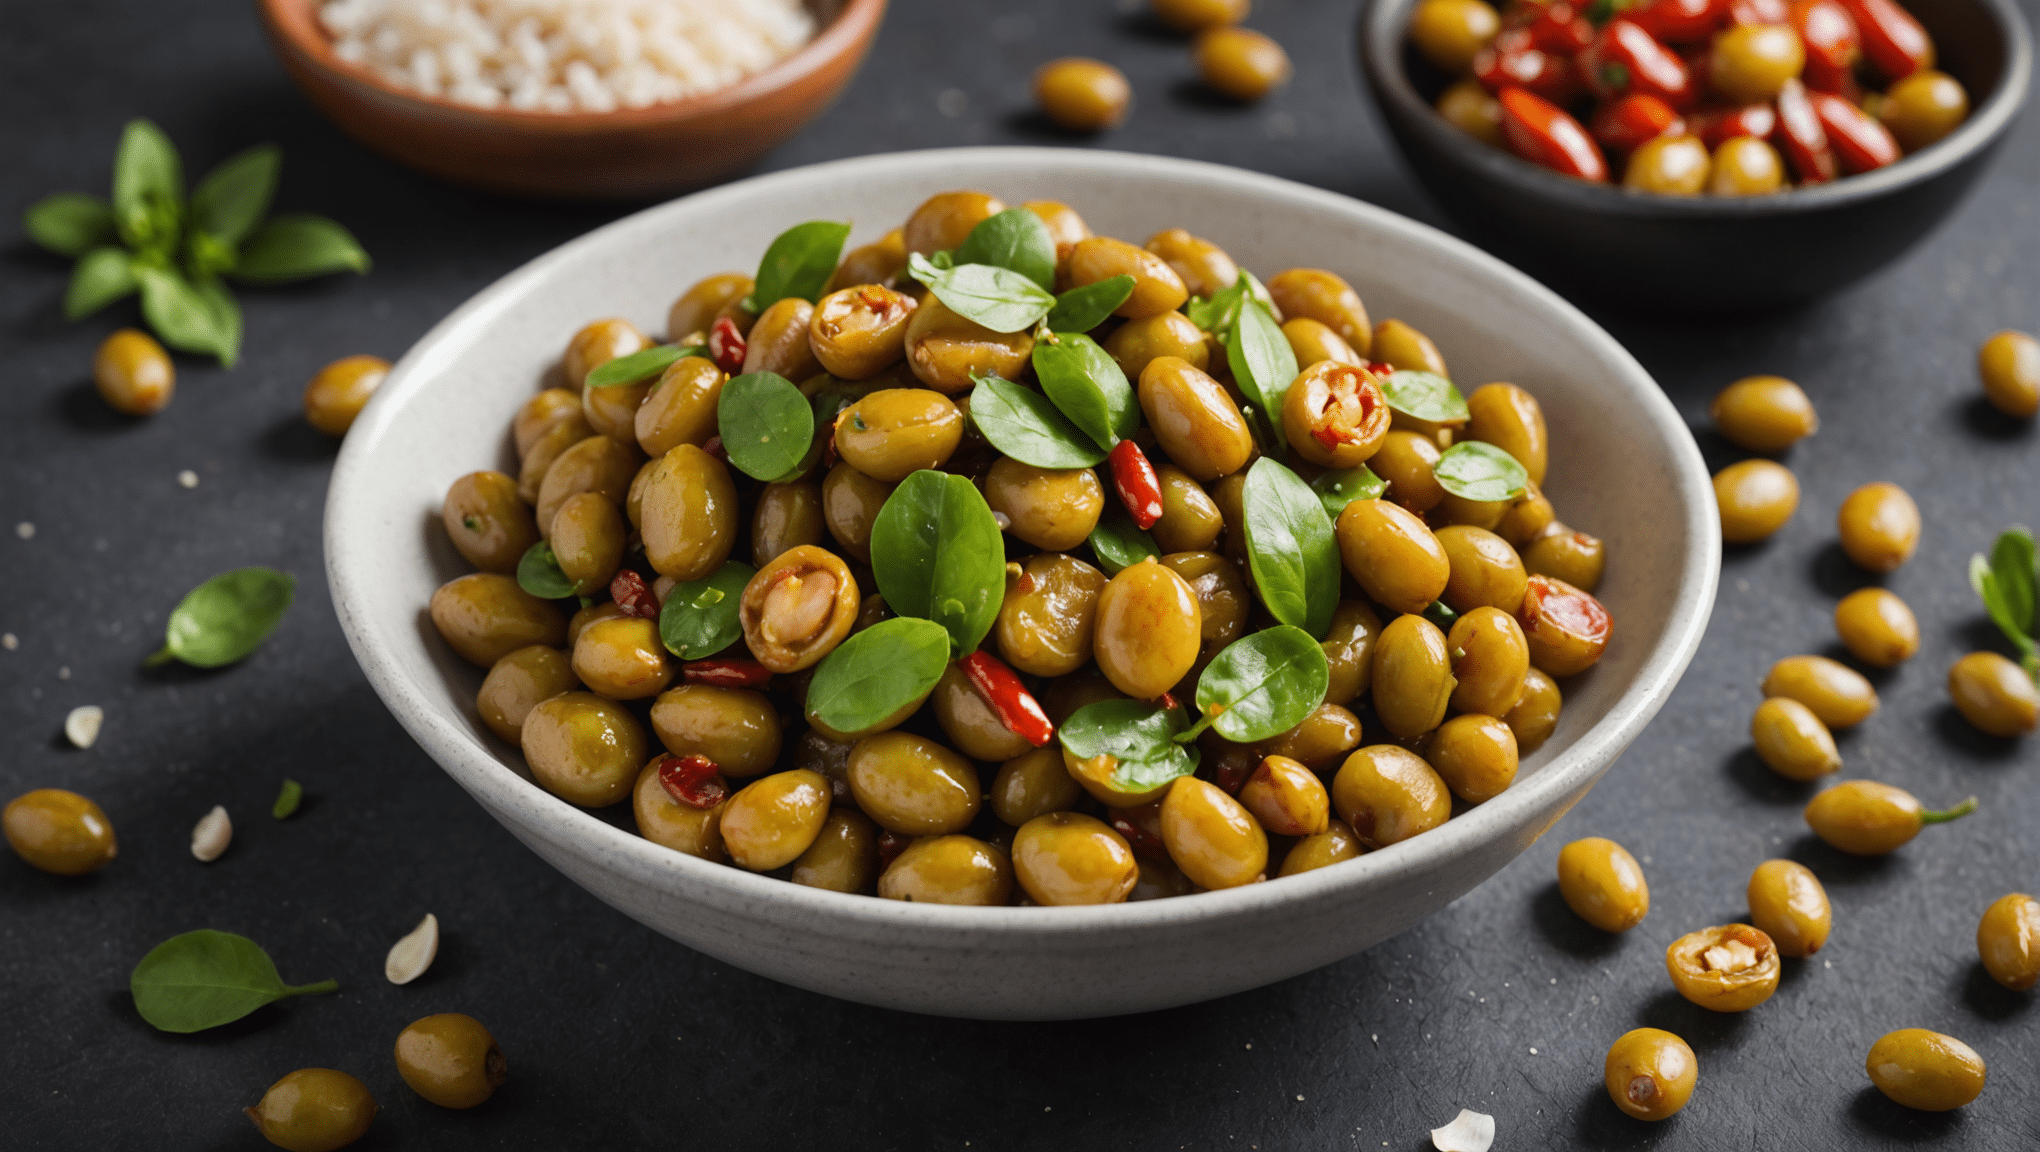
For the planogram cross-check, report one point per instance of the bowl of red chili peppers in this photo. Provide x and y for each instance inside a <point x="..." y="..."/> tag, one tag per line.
<point x="1720" y="155"/>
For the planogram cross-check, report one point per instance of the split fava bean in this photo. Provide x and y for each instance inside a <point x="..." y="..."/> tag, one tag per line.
<point x="1731" y="968"/>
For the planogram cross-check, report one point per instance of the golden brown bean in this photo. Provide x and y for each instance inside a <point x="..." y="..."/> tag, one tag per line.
<point x="973" y="728"/>
<point x="775" y="818"/>
<point x="334" y="396"/>
<point x="583" y="748"/>
<point x="588" y="535"/>
<point x="1649" y="1073"/>
<point x="1475" y="755"/>
<point x="612" y="411"/>
<point x="2008" y="941"/>
<point x="1925" y="1070"/>
<point x="1450" y="32"/>
<point x="1745" y="166"/>
<point x="517" y="683"/>
<point x="1535" y="715"/>
<point x="1196" y="423"/>
<point x="1793" y="741"/>
<point x="622" y="658"/>
<point x="598" y="344"/>
<point x="696" y="309"/>
<point x="1315" y="294"/>
<point x="1510" y="419"/>
<point x="1063" y="858"/>
<point x="1765" y="413"/>
<point x="679" y="407"/>
<point x="1223" y="598"/>
<point x="488" y="524"/>
<point x="1313" y="342"/>
<point x="779" y="342"/>
<point x="850" y="504"/>
<point x="1567" y="629"/>
<point x="843" y="858"/>
<point x="2009" y="363"/>
<point x="1156" y="287"/>
<point x="1455" y="509"/>
<point x="1473" y="110"/>
<point x="1334" y="415"/>
<point x="1756" y="498"/>
<point x="1836" y="693"/>
<point x="1994" y="694"/>
<point x="1574" y="557"/>
<point x="1923" y="108"/>
<point x="1866" y="818"/>
<point x="1137" y="343"/>
<point x="1210" y="836"/>
<point x="1394" y="557"/>
<point x="1880" y="526"/>
<point x="944" y="220"/>
<point x="1730" y="968"/>
<point x="1406" y="349"/>
<point x="1082" y="95"/>
<point x="787" y="516"/>
<point x="1388" y="794"/>
<point x="59" y="832"/>
<point x="1190" y="519"/>
<point x="1286" y="798"/>
<point x="1032" y="784"/>
<point x="895" y="432"/>
<point x="949" y="870"/>
<point x="135" y="376"/>
<point x="859" y="331"/>
<point x="1877" y="627"/>
<point x="594" y="613"/>
<point x="1048" y="620"/>
<point x="912" y="785"/>
<point x="1065" y="227"/>
<point x="1490" y="662"/>
<point x="1603" y="884"/>
<point x="1240" y="62"/>
<point x="879" y="262"/>
<point x="1788" y="904"/>
<point x="595" y="464"/>
<point x="1407" y="461"/>
<point x="485" y="616"/>
<point x="538" y="414"/>
<point x="1198" y="15"/>
<point x="1320" y="742"/>
<point x="689" y="514"/>
<point x="1485" y="571"/>
<point x="1053" y="509"/>
<point x="1099" y="776"/>
<point x="1349" y="650"/>
<point x="1204" y="267"/>
<point x="546" y="450"/>
<point x="314" y="1110"/>
<point x="1335" y="845"/>
<point x="1673" y="164"/>
<point x="1412" y="676"/>
<point x="798" y="608"/>
<point x="1148" y="631"/>
<point x="945" y="350"/>
<point x="670" y="824"/>
<point x="738" y="728"/>
<point x="1530" y="516"/>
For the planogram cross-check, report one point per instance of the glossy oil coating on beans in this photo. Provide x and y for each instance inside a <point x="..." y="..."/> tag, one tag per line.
<point x="1510" y="418"/>
<point x="1070" y="858"/>
<point x="1483" y="570"/>
<point x="1877" y="627"/>
<point x="1287" y="798"/>
<point x="775" y="818"/>
<point x="1223" y="599"/>
<point x="1731" y="968"/>
<point x="949" y="870"/>
<point x="2008" y="941"/>
<point x="1210" y="836"/>
<point x="973" y="727"/>
<point x="1149" y="630"/>
<point x="1756" y="498"/>
<point x="1156" y="287"/>
<point x="1196" y="423"/>
<point x="1053" y="509"/>
<point x="1315" y="294"/>
<point x="680" y="406"/>
<point x="596" y="464"/>
<point x="59" y="832"/>
<point x="314" y="1110"/>
<point x="1835" y="692"/>
<point x="945" y="350"/>
<point x="451" y="1060"/>
<point x="1994" y="694"/>
<point x="1566" y="629"/>
<point x="1412" y="676"/>
<point x="1490" y="661"/>
<point x="1407" y="462"/>
<point x="1137" y="343"/>
<point x="737" y="728"/>
<point x="1349" y="650"/>
<point x="1531" y="517"/>
<point x="912" y="785"/>
<point x="1396" y="559"/>
<point x="1926" y="1070"/>
<point x="1574" y="557"/>
<point x="1190" y="518"/>
<point x="1032" y="784"/>
<point x="1764" y="413"/>
<point x="898" y="431"/>
<point x="1650" y="1073"/>
<point x="1868" y="818"/>
<point x="1475" y="755"/>
<point x="134" y="375"/>
<point x="598" y="344"/>
<point x="488" y="524"/>
<point x="844" y="857"/>
<point x="1603" y="884"/>
<point x="796" y="609"/>
<point x="588" y="535"/>
<point x="1082" y="95"/>
<point x="1792" y="741"/>
<point x="519" y="682"/>
<point x="584" y="748"/>
<point x="1535" y="715"/>
<point x="1048" y="621"/>
<point x="1321" y="742"/>
<point x="670" y="824"/>
<point x="1335" y="845"/>
<point x="1388" y="794"/>
<point x="485" y="616"/>
<point x="335" y="394"/>
<point x="2009" y="364"/>
<point x="1788" y="904"/>
<point x="1880" y="526"/>
<point x="696" y="308"/>
<point x="621" y="658"/>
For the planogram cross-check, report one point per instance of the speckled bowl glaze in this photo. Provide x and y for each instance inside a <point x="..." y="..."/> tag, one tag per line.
<point x="1624" y="466"/>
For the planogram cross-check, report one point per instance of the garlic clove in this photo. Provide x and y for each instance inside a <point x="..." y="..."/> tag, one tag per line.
<point x="212" y="835"/>
<point x="1469" y="1131"/>
<point x="411" y="956"/>
<point x="81" y="727"/>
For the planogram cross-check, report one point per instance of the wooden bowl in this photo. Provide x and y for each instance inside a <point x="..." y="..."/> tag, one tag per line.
<point x="630" y="154"/>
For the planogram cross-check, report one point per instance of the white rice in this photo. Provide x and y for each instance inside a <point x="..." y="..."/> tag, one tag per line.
<point x="565" y="55"/>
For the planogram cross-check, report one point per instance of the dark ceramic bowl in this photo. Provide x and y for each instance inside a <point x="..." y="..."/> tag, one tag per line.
<point x="1661" y="253"/>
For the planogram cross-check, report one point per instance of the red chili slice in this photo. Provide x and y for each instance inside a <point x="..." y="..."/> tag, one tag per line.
<point x="1625" y="58"/>
<point x="1141" y="840"/>
<point x="1133" y="477"/>
<point x="1557" y="27"/>
<point x="1832" y="44"/>
<point x="726" y="672"/>
<point x="726" y="345"/>
<point x="1758" y="120"/>
<point x="1758" y="12"/>
<point x="1892" y="39"/>
<point x="693" y="780"/>
<point x="713" y="446"/>
<point x="633" y="595"/>
<point x="1681" y="21"/>
<point x="1860" y="141"/>
<point x="1541" y="132"/>
<point x="1501" y="66"/>
<point x="1628" y="123"/>
<point x="1801" y="137"/>
<point x="1009" y="699"/>
<point x="890" y="845"/>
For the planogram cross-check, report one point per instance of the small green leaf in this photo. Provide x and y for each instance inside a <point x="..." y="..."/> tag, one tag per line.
<point x="148" y="188"/>
<point x="799" y="263"/>
<point x="1339" y="487"/>
<point x="998" y="298"/>
<point x="1021" y="423"/>
<point x="700" y="617"/>
<point x="227" y="617"/>
<point x="878" y="672"/>
<point x="297" y="246"/>
<point x="2012" y="562"/>
<point x="204" y="979"/>
<point x="538" y="573"/>
<point x="226" y="313"/>
<point x="233" y="197"/>
<point x="1426" y="396"/>
<point x="1140" y="738"/>
<point x="100" y="277"/>
<point x="1475" y="470"/>
<point x="766" y="425"/>
<point x="287" y="800"/>
<point x="1441" y="614"/>
<point x="1292" y="551"/>
<point x="186" y="318"/>
<point x="1082" y="309"/>
<point x="937" y="553"/>
<point x="71" y="223"/>
<point x="1086" y="383"/>
<point x="1218" y="313"/>
<point x="640" y="365"/>
<point x="1263" y="684"/>
<point x="1117" y="543"/>
<point x="1015" y="239"/>
<point x="1263" y="365"/>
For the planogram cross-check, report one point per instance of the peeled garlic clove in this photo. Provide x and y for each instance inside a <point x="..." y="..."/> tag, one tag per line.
<point x="212" y="835"/>
<point x="1469" y="1131"/>
<point x="411" y="956"/>
<point x="82" y="725"/>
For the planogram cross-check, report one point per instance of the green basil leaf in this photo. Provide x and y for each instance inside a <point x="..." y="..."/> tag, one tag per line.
<point x="937" y="553"/>
<point x="639" y="365"/>
<point x="207" y="254"/>
<point x="297" y="246"/>
<point x="1441" y="614"/>
<point x="1088" y="386"/>
<point x="287" y="800"/>
<point x="1219" y="312"/>
<point x="226" y="618"/>
<point x="234" y="197"/>
<point x="226" y="314"/>
<point x="1258" y="290"/>
<point x="1263" y="365"/>
<point x="538" y="572"/>
<point x="943" y="259"/>
<point x="699" y="618"/>
<point x="799" y="263"/>
<point x="1082" y="309"/>
<point x="204" y="979"/>
<point x="1117" y="543"/>
<point x="2012" y="562"/>
<point x="1426" y="396"/>
<point x="148" y="188"/>
<point x="1137" y="735"/>
<point x="1291" y="549"/>
<point x="877" y="672"/>
<point x="1264" y="684"/>
<point x="998" y="298"/>
<point x="100" y="277"/>
<point x="1474" y="470"/>
<point x="71" y="223"/>
<point x="1339" y="487"/>
<point x="766" y="425"/>
<point x="1015" y="239"/>
<point x="1021" y="423"/>
<point x="179" y="314"/>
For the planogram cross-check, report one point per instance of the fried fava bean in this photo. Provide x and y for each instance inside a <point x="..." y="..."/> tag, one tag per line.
<point x="1240" y="62"/>
<point x="1994" y="694"/>
<point x="583" y="748"/>
<point x="1923" y="108"/>
<point x="539" y="414"/>
<point x="1730" y="968"/>
<point x="688" y="514"/>
<point x="912" y="785"/>
<point x="1567" y="629"/>
<point x="1788" y="904"/>
<point x="1388" y="794"/>
<point x="588" y="617"/>
<point x="58" y="831"/>
<point x="1149" y="629"/>
<point x="1204" y="267"/>
<point x="1880" y="526"/>
<point x="2008" y="941"/>
<point x="622" y="658"/>
<point x="547" y="448"/>
<point x="1412" y="676"/>
<point x="1196" y="423"/>
<point x="1397" y="561"/>
<point x="680" y="407"/>
<point x="1649" y="1073"/>
<point x="1792" y="740"/>
<point x="1745" y="166"/>
<point x="451" y="1060"/>
<point x="1223" y="598"/>
<point x="856" y="332"/>
<point x="2009" y="364"/>
<point x="1403" y="348"/>
<point x="786" y="516"/>
<point x="1210" y="836"/>
<point x="798" y="608"/>
<point x="775" y="818"/>
<point x="1053" y="509"/>
<point x="1048" y="621"/>
<point x="1319" y="742"/>
<point x="1137" y="343"/>
<point x="588" y="534"/>
<point x="594" y="464"/>
<point x="971" y="724"/>
<point x="485" y="616"/>
<point x="1764" y="413"/>
<point x="1069" y="858"/>
<point x="1065" y="226"/>
<point x="1535" y="715"/>
<point x="1867" y="818"/>
<point x="949" y="870"/>
<point x="1510" y="419"/>
<point x="1877" y="627"/>
<point x="1198" y="15"/>
<point x="737" y="728"/>
<point x="1929" y="1071"/>
<point x="1349" y="650"/>
<point x="598" y="344"/>
<point x="1530" y="517"/>
<point x="1190" y="518"/>
<point x="945" y="351"/>
<point x="944" y="220"/>
<point x="1032" y="784"/>
<point x="1313" y="342"/>
<point x="670" y="824"/>
<point x="1490" y="661"/>
<point x="843" y="858"/>
<point x="1334" y="415"/>
<point x="314" y="1110"/>
<point x="1335" y="845"/>
<point x="1286" y="798"/>
<point x="334" y="395"/>
<point x="1082" y="95"/>
<point x="1315" y="294"/>
<point x="850" y="505"/>
<point x="488" y="524"/>
<point x="1574" y="557"/>
<point x="517" y="683"/>
<point x="696" y="309"/>
<point x="1484" y="570"/>
<point x="1408" y="461"/>
<point x="1156" y="287"/>
<point x="136" y="378"/>
<point x="1603" y="884"/>
<point x="1475" y="755"/>
<point x="895" y="432"/>
<point x="1835" y="692"/>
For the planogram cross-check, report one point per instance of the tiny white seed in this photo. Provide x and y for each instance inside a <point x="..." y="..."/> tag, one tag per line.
<point x="188" y="478"/>
<point x="411" y="956"/>
<point x="1469" y="1131"/>
<point x="212" y="835"/>
<point x="82" y="725"/>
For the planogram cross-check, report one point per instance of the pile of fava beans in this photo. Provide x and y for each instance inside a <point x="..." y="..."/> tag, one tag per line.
<point x="997" y="562"/>
<point x="1692" y="97"/>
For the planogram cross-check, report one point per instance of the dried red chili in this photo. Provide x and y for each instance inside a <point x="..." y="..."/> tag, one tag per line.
<point x="1801" y="137"/>
<point x="726" y="672"/>
<point x="1142" y="841"/>
<point x="726" y="345"/>
<point x="693" y="780"/>
<point x="1632" y="121"/>
<point x="1509" y="64"/>
<point x="1558" y="27"/>
<point x="1681" y="21"/>
<point x="1625" y="59"/>
<point x="1138" y="486"/>
<point x="1892" y="39"/>
<point x="633" y="596"/>
<point x="1009" y="699"/>
<point x="1541" y="132"/>
<point x="1832" y="44"/>
<point x="1758" y="120"/>
<point x="890" y="845"/>
<point x="1758" y="12"/>
<point x="1860" y="141"/>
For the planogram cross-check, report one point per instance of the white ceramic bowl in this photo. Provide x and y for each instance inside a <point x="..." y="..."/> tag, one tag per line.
<point x="1624" y="466"/>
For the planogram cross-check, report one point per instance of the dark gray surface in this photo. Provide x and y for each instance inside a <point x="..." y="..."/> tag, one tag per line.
<point x="1502" y="1003"/>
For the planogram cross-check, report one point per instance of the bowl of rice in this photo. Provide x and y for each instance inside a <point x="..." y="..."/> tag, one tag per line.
<point x="572" y="99"/>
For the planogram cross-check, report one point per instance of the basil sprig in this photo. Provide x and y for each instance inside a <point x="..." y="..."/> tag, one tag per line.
<point x="998" y="298"/>
<point x="1339" y="487"/>
<point x="539" y="573"/>
<point x="1082" y="309"/>
<point x="1088" y="385"/>
<point x="206" y="978"/>
<point x="225" y="618"/>
<point x="766" y="425"/>
<point x="1021" y="423"/>
<point x="2007" y="583"/>
<point x="1015" y="239"/>
<point x="640" y="365"/>
<point x="1261" y="685"/>
<point x="876" y="673"/>
<point x="699" y="618"/>
<point x="1144" y="742"/>
<point x="937" y="554"/>
<point x="1216" y="314"/>
<point x="1118" y="543"/>
<point x="798" y="262"/>
<point x="1426" y="396"/>
<point x="1263" y="365"/>
<point x="1475" y="470"/>
<point x="1292" y="551"/>
<point x="172" y="250"/>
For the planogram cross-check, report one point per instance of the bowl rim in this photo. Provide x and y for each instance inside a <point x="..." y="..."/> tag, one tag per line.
<point x="295" y="26"/>
<point x="1381" y="57"/>
<point x="531" y="811"/>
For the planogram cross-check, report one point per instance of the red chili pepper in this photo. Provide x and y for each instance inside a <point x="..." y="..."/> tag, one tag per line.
<point x="714" y="448"/>
<point x="1015" y="706"/>
<point x="1141" y="840"/>
<point x="1557" y="27"/>
<point x="1624" y="59"/>
<point x="1892" y="39"/>
<point x="726" y="345"/>
<point x="1681" y="21"/>
<point x="1832" y="44"/>
<point x="1512" y="63"/>
<point x="693" y="780"/>
<point x="726" y="672"/>
<point x="1860" y="141"/>
<point x="1381" y="369"/>
<point x="1758" y="12"/>
<point x="1138" y="486"/>
<point x="1758" y="120"/>
<point x="1166" y="702"/>
<point x="1800" y="136"/>
<point x="1232" y="772"/>
<point x="1541" y="132"/>
<point x="890" y="845"/>
<point x="1625" y="124"/>
<point x="633" y="595"/>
